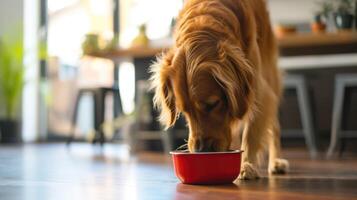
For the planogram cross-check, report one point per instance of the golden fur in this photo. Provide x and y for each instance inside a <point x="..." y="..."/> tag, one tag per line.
<point x="222" y="71"/>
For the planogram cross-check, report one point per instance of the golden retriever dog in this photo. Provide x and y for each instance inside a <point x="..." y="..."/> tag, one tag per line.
<point x="220" y="73"/>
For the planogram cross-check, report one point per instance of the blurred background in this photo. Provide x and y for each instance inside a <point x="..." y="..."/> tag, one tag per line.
<point x="77" y="70"/>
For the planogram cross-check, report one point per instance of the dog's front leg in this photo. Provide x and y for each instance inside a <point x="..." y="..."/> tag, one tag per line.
<point x="255" y="134"/>
<point x="252" y="144"/>
<point x="277" y="165"/>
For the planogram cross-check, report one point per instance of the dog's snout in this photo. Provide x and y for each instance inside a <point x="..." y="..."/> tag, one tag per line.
<point x="203" y="145"/>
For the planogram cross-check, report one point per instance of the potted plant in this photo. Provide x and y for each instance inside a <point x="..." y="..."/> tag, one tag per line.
<point x="344" y="14"/>
<point x="11" y="84"/>
<point x="90" y="44"/>
<point x="141" y="40"/>
<point x="318" y="25"/>
<point x="323" y="16"/>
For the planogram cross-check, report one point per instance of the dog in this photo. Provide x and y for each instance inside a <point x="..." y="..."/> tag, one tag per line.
<point x="220" y="73"/>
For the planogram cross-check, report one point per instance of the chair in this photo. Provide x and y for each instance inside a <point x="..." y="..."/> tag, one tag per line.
<point x="142" y="128"/>
<point x="298" y="83"/>
<point x="342" y="81"/>
<point x="145" y="127"/>
<point x="98" y="95"/>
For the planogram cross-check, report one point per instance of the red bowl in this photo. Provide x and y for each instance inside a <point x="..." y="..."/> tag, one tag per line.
<point x="207" y="167"/>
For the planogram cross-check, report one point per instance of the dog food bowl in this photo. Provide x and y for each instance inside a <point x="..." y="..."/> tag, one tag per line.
<point x="207" y="167"/>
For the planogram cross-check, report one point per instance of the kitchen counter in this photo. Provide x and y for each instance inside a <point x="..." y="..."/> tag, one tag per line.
<point x="305" y="50"/>
<point x="317" y="39"/>
<point x="286" y="42"/>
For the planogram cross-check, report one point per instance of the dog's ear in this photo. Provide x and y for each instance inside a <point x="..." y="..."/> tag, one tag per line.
<point x="161" y="82"/>
<point x="236" y="78"/>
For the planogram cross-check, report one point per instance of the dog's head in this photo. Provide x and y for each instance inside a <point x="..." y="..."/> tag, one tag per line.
<point x="210" y="82"/>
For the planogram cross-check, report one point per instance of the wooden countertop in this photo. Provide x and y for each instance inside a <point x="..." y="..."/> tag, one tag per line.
<point x="304" y="44"/>
<point x="289" y="45"/>
<point x="322" y="39"/>
<point x="137" y="52"/>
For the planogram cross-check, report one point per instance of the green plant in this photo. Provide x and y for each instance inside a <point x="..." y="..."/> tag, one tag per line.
<point x="11" y="73"/>
<point x="345" y="6"/>
<point x="325" y="8"/>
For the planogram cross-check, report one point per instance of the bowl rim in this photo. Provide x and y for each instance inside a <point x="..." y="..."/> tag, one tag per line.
<point x="186" y="152"/>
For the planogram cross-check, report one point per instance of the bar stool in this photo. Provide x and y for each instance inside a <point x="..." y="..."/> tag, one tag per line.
<point x="298" y="83"/>
<point x="145" y="126"/>
<point x="342" y="81"/>
<point x="98" y="95"/>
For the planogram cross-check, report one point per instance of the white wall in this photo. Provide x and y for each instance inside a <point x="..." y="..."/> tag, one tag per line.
<point x="291" y="10"/>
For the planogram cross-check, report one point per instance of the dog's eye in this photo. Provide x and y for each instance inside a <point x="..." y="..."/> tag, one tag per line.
<point x="209" y="106"/>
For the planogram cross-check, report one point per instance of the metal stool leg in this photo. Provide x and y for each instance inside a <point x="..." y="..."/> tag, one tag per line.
<point x="118" y="109"/>
<point x="336" y="117"/>
<point x="167" y="140"/>
<point x="297" y="82"/>
<point x="74" y="117"/>
<point x="306" y="117"/>
<point x="99" y="117"/>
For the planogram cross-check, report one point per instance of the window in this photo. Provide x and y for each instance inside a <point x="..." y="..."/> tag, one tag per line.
<point x="156" y="14"/>
<point x="70" y="20"/>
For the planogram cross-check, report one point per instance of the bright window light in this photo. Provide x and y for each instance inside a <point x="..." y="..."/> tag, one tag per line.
<point x="156" y="14"/>
<point x="56" y="5"/>
<point x="127" y="86"/>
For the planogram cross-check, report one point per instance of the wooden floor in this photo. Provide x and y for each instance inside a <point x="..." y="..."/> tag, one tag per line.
<point x="51" y="171"/>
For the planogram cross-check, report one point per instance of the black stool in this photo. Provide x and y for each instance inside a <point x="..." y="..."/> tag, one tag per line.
<point x="99" y="95"/>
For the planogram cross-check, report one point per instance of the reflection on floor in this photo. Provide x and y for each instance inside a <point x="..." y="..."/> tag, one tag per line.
<point x="52" y="171"/>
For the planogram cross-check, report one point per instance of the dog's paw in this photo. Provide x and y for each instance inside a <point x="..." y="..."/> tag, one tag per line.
<point x="248" y="172"/>
<point x="279" y="166"/>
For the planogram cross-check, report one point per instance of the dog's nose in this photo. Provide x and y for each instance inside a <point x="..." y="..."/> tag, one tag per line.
<point x="203" y="145"/>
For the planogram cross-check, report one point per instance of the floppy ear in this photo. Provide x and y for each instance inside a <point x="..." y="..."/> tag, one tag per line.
<point x="236" y="78"/>
<point x="164" y="98"/>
